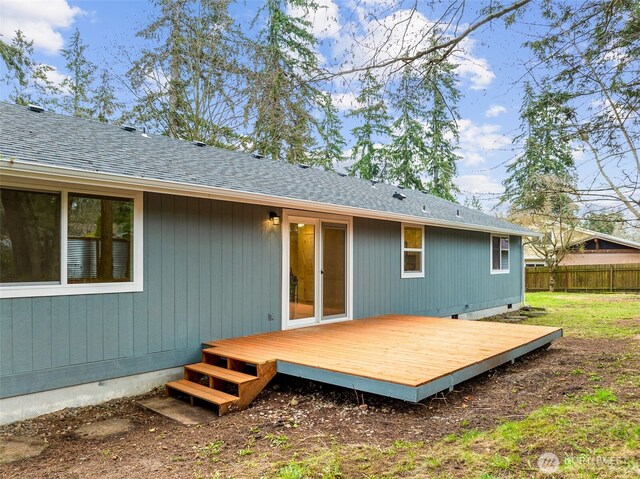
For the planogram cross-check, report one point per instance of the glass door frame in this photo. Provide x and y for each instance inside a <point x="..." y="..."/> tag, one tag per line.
<point x="316" y="219"/>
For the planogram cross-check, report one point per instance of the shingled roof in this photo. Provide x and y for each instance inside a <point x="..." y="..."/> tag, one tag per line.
<point x="49" y="143"/>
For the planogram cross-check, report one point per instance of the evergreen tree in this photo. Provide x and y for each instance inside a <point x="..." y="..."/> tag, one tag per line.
<point x="370" y="162"/>
<point x="187" y="82"/>
<point x="282" y="99"/>
<point x="474" y="203"/>
<point x="28" y="80"/>
<point x="546" y="166"/>
<point x="440" y="163"/>
<point x="422" y="152"/>
<point x="79" y="80"/>
<point x="409" y="145"/>
<point x="333" y="144"/>
<point x="104" y="103"/>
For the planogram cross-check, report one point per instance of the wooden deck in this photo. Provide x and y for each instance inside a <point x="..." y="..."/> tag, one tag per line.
<point x="406" y="357"/>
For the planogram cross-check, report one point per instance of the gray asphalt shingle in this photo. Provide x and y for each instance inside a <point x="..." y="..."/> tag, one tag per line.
<point x="63" y="141"/>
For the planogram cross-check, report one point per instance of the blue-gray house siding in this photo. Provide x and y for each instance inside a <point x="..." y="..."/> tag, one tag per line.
<point x="213" y="270"/>
<point x="457" y="278"/>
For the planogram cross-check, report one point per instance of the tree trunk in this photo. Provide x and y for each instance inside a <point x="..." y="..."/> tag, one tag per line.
<point x="552" y="280"/>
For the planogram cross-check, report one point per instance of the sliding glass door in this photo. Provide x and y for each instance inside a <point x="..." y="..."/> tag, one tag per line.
<point x="316" y="255"/>
<point x="334" y="270"/>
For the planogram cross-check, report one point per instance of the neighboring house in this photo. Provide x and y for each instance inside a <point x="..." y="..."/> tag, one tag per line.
<point x="592" y="248"/>
<point x="121" y="252"/>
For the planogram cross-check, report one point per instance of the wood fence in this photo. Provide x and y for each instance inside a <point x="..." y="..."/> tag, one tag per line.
<point x="616" y="277"/>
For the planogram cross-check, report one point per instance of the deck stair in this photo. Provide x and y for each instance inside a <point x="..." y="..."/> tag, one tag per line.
<point x="227" y="379"/>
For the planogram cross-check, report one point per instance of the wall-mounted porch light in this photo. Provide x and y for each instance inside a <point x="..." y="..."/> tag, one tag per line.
<point x="274" y="218"/>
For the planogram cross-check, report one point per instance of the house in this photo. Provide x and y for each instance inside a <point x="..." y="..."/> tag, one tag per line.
<point x="121" y="252"/>
<point x="591" y="248"/>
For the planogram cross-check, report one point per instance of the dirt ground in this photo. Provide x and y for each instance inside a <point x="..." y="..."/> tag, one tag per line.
<point x="294" y="416"/>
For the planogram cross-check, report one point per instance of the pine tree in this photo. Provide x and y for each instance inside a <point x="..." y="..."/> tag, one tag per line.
<point x="546" y="165"/>
<point x="541" y="180"/>
<point x="370" y="162"/>
<point x="331" y="151"/>
<point x="281" y="97"/>
<point x="79" y="80"/>
<point x="409" y="145"/>
<point x="440" y="164"/>
<point x="104" y="103"/>
<point x="188" y="81"/>
<point x="29" y="80"/>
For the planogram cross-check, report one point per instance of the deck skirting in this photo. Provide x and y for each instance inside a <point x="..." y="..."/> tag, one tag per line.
<point x="409" y="393"/>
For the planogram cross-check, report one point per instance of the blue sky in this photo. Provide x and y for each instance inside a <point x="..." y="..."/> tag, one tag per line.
<point x="489" y="67"/>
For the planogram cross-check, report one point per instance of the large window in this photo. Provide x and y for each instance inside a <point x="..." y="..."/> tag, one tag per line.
<point x="412" y="251"/>
<point x="100" y="238"/>
<point x="499" y="254"/>
<point x="29" y="236"/>
<point x="56" y="242"/>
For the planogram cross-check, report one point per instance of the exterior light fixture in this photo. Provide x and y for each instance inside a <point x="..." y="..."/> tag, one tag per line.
<point x="274" y="218"/>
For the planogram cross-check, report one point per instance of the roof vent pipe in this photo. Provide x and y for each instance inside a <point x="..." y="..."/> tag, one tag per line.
<point x="36" y="108"/>
<point x="458" y="213"/>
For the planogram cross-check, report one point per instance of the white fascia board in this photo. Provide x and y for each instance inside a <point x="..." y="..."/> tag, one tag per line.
<point x="30" y="170"/>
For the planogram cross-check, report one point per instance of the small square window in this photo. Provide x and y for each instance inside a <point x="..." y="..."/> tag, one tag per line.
<point x="412" y="251"/>
<point x="499" y="254"/>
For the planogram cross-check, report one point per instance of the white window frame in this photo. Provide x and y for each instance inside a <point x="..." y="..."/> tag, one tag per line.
<point x="508" y="250"/>
<point x="411" y="274"/>
<point x="64" y="288"/>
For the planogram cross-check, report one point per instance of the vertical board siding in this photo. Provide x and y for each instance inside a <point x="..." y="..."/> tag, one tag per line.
<point x="212" y="270"/>
<point x="60" y="333"/>
<point x="457" y="272"/>
<point x="6" y="338"/>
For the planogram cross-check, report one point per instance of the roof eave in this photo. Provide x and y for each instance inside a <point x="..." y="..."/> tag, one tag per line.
<point x="36" y="171"/>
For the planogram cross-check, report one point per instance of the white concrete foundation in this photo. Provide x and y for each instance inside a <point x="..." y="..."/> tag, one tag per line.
<point x="485" y="313"/>
<point x="31" y="405"/>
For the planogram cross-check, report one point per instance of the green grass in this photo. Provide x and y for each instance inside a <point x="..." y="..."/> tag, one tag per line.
<point x="589" y="315"/>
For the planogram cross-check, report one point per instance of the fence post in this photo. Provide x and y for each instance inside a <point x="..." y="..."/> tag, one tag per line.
<point x="611" y="278"/>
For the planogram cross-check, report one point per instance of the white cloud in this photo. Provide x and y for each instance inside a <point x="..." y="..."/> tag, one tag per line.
<point x="39" y="20"/>
<point x="325" y="20"/>
<point x="478" y="184"/>
<point x="495" y="110"/>
<point x="471" y="67"/>
<point x="380" y="37"/>
<point x="478" y="141"/>
<point x="344" y="101"/>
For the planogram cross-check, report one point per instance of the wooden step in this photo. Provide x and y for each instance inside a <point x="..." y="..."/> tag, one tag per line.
<point x="219" y="398"/>
<point x="222" y="353"/>
<point x="228" y="375"/>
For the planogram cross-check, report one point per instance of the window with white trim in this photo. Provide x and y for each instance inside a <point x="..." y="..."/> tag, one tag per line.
<point x="56" y="241"/>
<point x="412" y="251"/>
<point x="499" y="254"/>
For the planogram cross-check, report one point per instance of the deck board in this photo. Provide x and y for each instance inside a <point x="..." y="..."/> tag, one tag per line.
<point x="405" y="350"/>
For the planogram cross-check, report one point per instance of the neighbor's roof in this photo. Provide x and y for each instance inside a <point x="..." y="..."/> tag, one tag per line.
<point x="582" y="235"/>
<point x="44" y="143"/>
